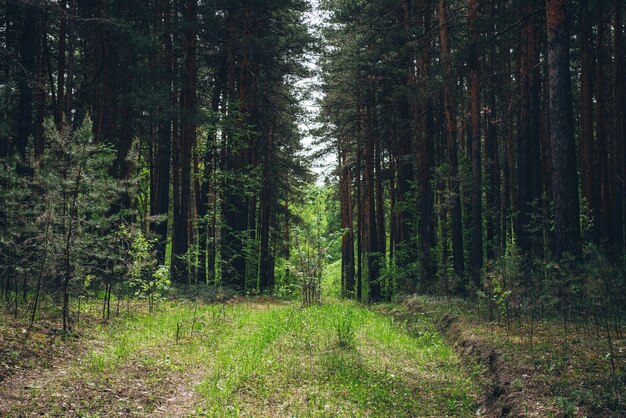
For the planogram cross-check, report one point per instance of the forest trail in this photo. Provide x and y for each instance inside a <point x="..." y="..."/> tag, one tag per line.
<point x="253" y="357"/>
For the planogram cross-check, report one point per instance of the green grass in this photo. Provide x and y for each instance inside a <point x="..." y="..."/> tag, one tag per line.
<point x="311" y="362"/>
<point x="260" y="357"/>
<point x="555" y="369"/>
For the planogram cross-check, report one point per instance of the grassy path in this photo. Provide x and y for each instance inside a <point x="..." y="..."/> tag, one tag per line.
<point x="252" y="358"/>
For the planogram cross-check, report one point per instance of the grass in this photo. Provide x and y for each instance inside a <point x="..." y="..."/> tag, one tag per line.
<point x="565" y="369"/>
<point x="255" y="357"/>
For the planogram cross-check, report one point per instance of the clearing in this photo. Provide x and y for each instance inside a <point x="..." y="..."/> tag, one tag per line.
<point x="248" y="357"/>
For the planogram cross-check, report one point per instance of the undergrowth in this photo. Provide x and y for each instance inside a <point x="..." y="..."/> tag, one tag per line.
<point x="255" y="357"/>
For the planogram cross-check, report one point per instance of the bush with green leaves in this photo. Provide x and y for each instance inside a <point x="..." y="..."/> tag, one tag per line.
<point x="145" y="279"/>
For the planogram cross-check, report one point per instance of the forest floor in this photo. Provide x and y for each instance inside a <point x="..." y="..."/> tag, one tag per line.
<point x="533" y="367"/>
<point x="246" y="357"/>
<point x="266" y="357"/>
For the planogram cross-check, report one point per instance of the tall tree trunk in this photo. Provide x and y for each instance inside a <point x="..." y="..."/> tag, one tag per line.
<point x="58" y="108"/>
<point x="602" y="150"/>
<point x="287" y="238"/>
<point x="451" y="140"/>
<point x="619" y="127"/>
<point x="403" y="149"/>
<point x="235" y="205"/>
<point x="40" y="84"/>
<point x="247" y="105"/>
<point x="370" y="239"/>
<point x="474" y="87"/>
<point x="424" y="147"/>
<point x="347" y="237"/>
<point x="71" y="63"/>
<point x="180" y="239"/>
<point x="528" y="163"/>
<point x="587" y="167"/>
<point x="27" y="49"/>
<point x="160" y="192"/>
<point x="565" y="177"/>
<point x="266" y="259"/>
<point x="492" y="170"/>
<point x="393" y="216"/>
<point x="205" y="273"/>
<point x="546" y="168"/>
<point x="359" y="183"/>
<point x="381" y="235"/>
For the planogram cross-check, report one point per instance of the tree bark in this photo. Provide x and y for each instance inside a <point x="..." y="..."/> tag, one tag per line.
<point x="565" y="177"/>
<point x="40" y="84"/>
<point x="160" y="192"/>
<point x="266" y="259"/>
<point x="424" y="162"/>
<point x="451" y="140"/>
<point x="180" y="238"/>
<point x="347" y="237"/>
<point x="587" y="168"/>
<point x="528" y="161"/>
<point x="204" y="204"/>
<point x="474" y="87"/>
<point x="26" y="76"/>
<point x="619" y="126"/>
<point x="370" y="239"/>
<point x="58" y="108"/>
<point x="602" y="150"/>
<point x="492" y="166"/>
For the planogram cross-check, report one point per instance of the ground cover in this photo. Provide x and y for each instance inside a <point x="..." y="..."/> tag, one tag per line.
<point x="245" y="357"/>
<point x="532" y="366"/>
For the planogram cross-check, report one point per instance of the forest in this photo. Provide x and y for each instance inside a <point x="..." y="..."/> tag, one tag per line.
<point x="312" y="208"/>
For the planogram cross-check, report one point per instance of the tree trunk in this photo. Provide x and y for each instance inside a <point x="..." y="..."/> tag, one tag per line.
<point x="619" y="127"/>
<point x="565" y="177"/>
<point x="204" y="204"/>
<point x="528" y="163"/>
<point x="492" y="166"/>
<point x="347" y="237"/>
<point x="601" y="163"/>
<point x="370" y="239"/>
<point x="71" y="64"/>
<point x="381" y="236"/>
<point x="160" y="192"/>
<point x="424" y="162"/>
<point x="266" y="259"/>
<point x="361" y="249"/>
<point x="474" y="87"/>
<point x="40" y="84"/>
<point x="180" y="239"/>
<point x="235" y="205"/>
<point x="58" y="108"/>
<point x="451" y="140"/>
<point x="587" y="167"/>
<point x="27" y="49"/>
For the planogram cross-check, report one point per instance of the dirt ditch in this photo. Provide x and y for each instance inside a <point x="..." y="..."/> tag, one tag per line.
<point x="502" y="395"/>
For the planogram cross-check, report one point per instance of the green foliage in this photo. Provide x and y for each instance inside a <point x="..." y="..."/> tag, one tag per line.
<point x="495" y="291"/>
<point x="315" y="244"/>
<point x="568" y="409"/>
<point x="331" y="280"/>
<point x="146" y="279"/>
<point x="345" y="329"/>
<point x="401" y="274"/>
<point x="586" y="222"/>
<point x="59" y="222"/>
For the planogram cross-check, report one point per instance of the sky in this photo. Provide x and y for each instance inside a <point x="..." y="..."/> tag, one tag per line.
<point x="322" y="167"/>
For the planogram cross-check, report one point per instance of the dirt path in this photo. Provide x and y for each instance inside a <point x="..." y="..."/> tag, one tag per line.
<point x="53" y="375"/>
<point x="65" y="389"/>
<point x="248" y="359"/>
